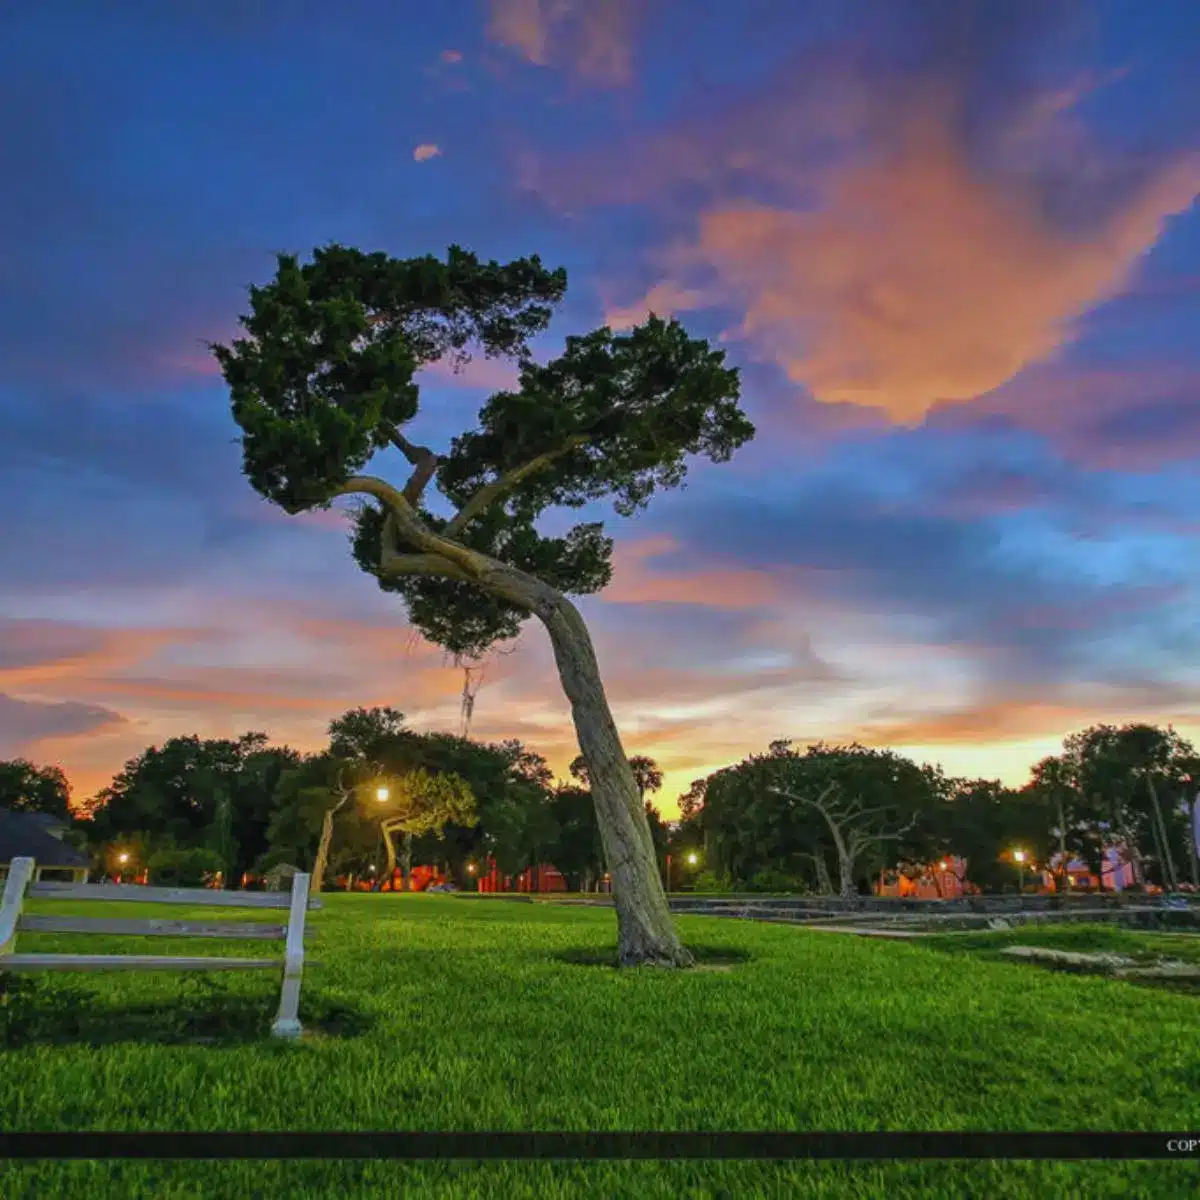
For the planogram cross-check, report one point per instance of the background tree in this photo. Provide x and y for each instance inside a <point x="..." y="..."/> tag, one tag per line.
<point x="25" y="787"/>
<point x="982" y="822"/>
<point x="646" y="773"/>
<point x="867" y="799"/>
<point x="193" y="792"/>
<point x="578" y="851"/>
<point x="691" y="801"/>
<point x="1056" y="784"/>
<point x="1122" y="771"/>
<point x="324" y="379"/>
<point x="418" y="803"/>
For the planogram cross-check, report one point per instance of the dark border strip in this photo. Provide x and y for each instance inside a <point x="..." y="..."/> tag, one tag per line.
<point x="610" y="1145"/>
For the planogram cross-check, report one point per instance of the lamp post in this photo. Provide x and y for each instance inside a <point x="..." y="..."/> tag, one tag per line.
<point x="1019" y="859"/>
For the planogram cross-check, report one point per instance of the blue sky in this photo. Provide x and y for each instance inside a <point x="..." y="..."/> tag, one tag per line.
<point x="953" y="248"/>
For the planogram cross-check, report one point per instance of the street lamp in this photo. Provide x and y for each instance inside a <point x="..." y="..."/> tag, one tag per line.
<point x="122" y="858"/>
<point x="693" y="859"/>
<point x="382" y="794"/>
<point x="1019" y="859"/>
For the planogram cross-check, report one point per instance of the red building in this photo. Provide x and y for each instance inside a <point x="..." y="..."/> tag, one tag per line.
<point x="544" y="878"/>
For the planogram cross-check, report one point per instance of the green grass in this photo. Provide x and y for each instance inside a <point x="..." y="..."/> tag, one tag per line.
<point x="429" y="1013"/>
<point x="1081" y="937"/>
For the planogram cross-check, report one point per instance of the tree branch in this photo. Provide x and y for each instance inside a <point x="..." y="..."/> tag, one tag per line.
<point x="490" y="492"/>
<point x="439" y="554"/>
<point x="425" y="462"/>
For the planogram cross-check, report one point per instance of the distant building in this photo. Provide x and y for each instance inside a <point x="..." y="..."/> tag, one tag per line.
<point x="40" y="836"/>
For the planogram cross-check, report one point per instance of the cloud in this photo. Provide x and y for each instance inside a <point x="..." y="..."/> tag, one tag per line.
<point x="635" y="581"/>
<point x="896" y="226"/>
<point x="664" y="300"/>
<point x="23" y="722"/>
<point x="1124" y="416"/>
<point x="919" y="280"/>
<point x="590" y="37"/>
<point x="451" y="56"/>
<point x="425" y="151"/>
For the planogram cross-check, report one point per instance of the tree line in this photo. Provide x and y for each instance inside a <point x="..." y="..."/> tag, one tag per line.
<point x="830" y="819"/>
<point x="380" y="797"/>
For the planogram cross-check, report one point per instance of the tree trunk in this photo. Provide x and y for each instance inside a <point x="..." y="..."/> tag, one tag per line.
<point x="1191" y="841"/>
<point x="645" y="931"/>
<point x="406" y="863"/>
<point x="390" y="849"/>
<point x="1170" y="879"/>
<point x="846" y="887"/>
<point x="318" y="871"/>
<point x="824" y="883"/>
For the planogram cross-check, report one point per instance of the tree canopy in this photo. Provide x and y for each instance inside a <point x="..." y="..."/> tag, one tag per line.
<point x="324" y="379"/>
<point x="25" y="787"/>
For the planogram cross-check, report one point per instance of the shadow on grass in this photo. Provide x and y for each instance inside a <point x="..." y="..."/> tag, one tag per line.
<point x="708" y="958"/>
<point x="201" y="1013"/>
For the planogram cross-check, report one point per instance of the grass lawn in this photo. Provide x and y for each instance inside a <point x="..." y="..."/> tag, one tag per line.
<point x="428" y="1012"/>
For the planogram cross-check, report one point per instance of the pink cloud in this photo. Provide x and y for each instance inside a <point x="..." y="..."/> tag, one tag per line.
<point x="919" y="281"/>
<point x="895" y="265"/>
<point x="590" y="37"/>
<point x="636" y="582"/>
<point x="425" y="151"/>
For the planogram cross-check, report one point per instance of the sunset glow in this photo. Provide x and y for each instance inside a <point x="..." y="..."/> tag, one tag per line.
<point x="963" y="294"/>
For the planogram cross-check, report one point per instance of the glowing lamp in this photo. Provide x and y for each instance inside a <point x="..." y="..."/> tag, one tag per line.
<point x="381" y="794"/>
<point x="122" y="857"/>
<point x="692" y="860"/>
<point x="1019" y="856"/>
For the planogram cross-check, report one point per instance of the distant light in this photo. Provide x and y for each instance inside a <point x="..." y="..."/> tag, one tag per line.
<point x="943" y="865"/>
<point x="122" y="858"/>
<point x="371" y="869"/>
<point x="1018" y="855"/>
<point x="1070" y="878"/>
<point x="381" y="794"/>
<point x="470" y="868"/>
<point x="692" y="860"/>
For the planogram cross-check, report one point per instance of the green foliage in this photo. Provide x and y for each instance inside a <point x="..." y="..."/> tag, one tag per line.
<point x="646" y="773"/>
<point x="756" y="814"/>
<point x="365" y="734"/>
<point x="712" y="882"/>
<point x="422" y="802"/>
<point x="578" y="850"/>
<point x="325" y="376"/>
<point x="638" y="402"/>
<point x="771" y="880"/>
<point x="189" y="867"/>
<point x="25" y="787"/>
<point x="196" y="792"/>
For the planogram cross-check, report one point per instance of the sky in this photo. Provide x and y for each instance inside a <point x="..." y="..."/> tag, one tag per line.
<point x="952" y="246"/>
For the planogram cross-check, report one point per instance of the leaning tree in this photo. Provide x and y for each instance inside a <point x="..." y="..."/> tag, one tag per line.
<point x="324" y="379"/>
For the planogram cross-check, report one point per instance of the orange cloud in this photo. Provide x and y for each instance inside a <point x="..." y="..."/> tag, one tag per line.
<point x="664" y="299"/>
<point x="425" y="151"/>
<point x="451" y="56"/>
<point x="592" y="37"/>
<point x="919" y="280"/>
<point x="636" y="583"/>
